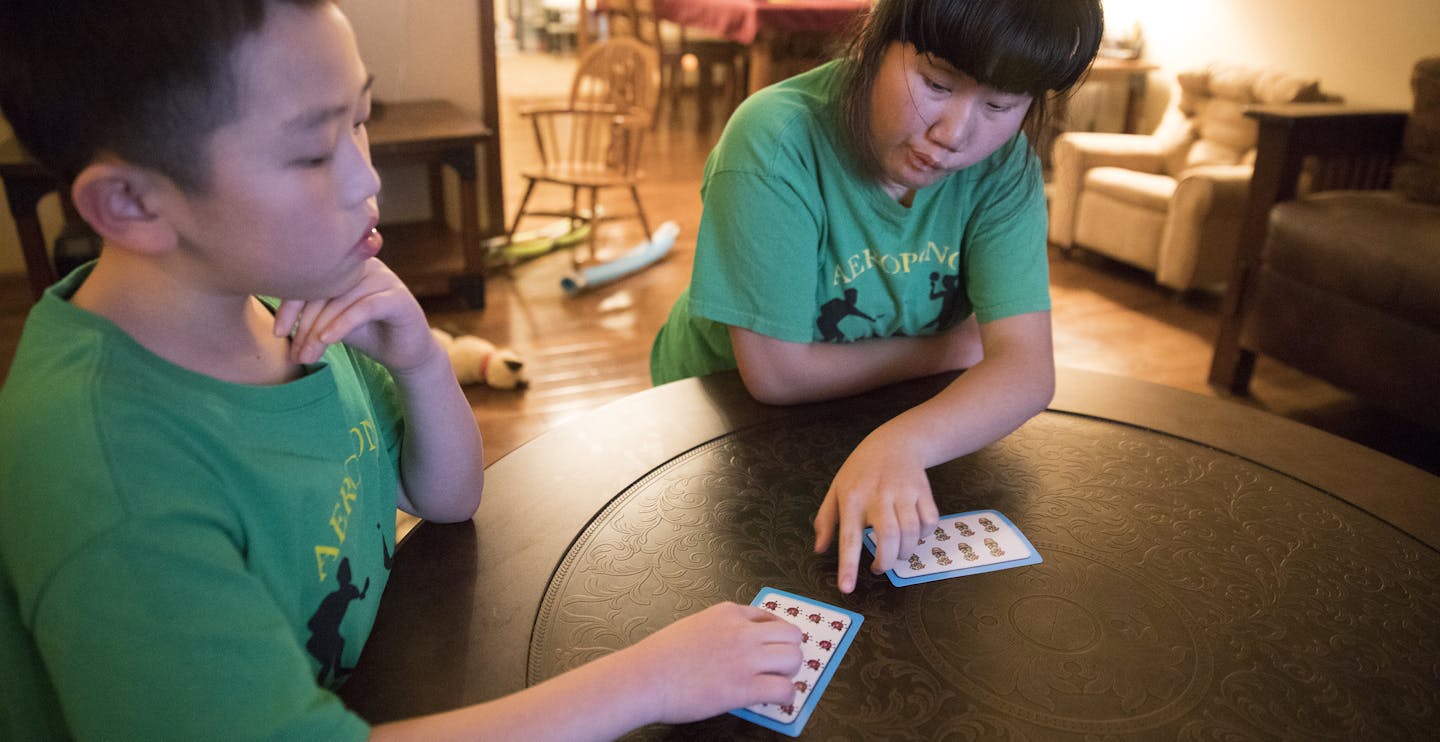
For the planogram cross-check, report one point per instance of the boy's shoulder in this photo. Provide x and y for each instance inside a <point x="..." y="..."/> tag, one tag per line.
<point x="87" y="416"/>
<point x="51" y="443"/>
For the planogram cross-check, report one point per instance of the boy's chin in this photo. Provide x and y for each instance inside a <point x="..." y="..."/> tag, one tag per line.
<point x="324" y="290"/>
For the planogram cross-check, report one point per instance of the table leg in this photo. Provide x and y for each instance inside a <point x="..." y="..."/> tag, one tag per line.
<point x="704" y="90"/>
<point x="1134" y="94"/>
<point x="761" y="60"/>
<point x="470" y="284"/>
<point x="24" y="193"/>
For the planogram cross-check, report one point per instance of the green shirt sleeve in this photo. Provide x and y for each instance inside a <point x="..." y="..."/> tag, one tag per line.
<point x="1006" y="263"/>
<point x="229" y="666"/>
<point x="756" y="256"/>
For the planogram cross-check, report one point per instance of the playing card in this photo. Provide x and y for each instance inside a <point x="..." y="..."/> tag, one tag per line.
<point x="828" y="631"/>
<point x="962" y="544"/>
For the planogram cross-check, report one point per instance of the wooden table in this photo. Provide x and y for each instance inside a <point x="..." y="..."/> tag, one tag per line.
<point x="1209" y="570"/>
<point x="785" y="37"/>
<point x="432" y="258"/>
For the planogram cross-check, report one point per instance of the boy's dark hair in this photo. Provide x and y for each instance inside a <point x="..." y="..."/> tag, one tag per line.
<point x="146" y="80"/>
<point x="1015" y="46"/>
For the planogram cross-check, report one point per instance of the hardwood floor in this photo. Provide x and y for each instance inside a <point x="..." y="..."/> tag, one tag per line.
<point x="587" y="350"/>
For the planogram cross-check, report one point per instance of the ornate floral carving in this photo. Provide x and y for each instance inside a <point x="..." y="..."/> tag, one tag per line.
<point x="1185" y="593"/>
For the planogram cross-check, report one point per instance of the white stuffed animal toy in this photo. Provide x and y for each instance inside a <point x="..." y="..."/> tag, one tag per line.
<point x="478" y="361"/>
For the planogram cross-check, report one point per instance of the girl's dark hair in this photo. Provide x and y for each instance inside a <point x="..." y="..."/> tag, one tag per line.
<point x="1036" y="47"/>
<point x="148" y="80"/>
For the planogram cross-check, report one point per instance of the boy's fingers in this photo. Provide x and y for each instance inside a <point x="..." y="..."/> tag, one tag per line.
<point x="285" y="316"/>
<point x="929" y="515"/>
<point x="769" y="688"/>
<point x="781" y="658"/>
<point x="349" y="307"/>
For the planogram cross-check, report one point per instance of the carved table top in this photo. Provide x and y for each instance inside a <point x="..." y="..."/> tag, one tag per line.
<point x="1208" y="571"/>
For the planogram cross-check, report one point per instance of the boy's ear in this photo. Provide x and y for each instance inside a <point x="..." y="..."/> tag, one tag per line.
<point x="119" y="201"/>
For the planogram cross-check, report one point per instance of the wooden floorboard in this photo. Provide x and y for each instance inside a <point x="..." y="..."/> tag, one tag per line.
<point x="586" y="350"/>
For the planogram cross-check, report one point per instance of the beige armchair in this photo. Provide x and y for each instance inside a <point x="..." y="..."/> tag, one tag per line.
<point x="1170" y="202"/>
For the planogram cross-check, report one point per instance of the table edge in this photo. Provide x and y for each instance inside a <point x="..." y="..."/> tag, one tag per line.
<point x="526" y="522"/>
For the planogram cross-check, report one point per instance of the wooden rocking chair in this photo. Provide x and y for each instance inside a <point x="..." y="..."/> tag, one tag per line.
<point x="595" y="141"/>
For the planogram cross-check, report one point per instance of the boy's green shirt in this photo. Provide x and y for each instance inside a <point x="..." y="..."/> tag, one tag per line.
<point x="181" y="557"/>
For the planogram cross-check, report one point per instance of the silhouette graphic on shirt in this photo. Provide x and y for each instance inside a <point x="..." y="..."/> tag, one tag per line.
<point x="325" y="643"/>
<point x="831" y="312"/>
<point x="385" y="546"/>
<point x="949" y="293"/>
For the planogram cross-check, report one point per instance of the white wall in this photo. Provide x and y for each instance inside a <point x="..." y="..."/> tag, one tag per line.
<point x="1360" y="50"/>
<point x="418" y="49"/>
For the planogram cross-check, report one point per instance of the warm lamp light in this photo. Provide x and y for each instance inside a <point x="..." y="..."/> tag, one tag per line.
<point x="1121" y="15"/>
<point x="1123" y="35"/>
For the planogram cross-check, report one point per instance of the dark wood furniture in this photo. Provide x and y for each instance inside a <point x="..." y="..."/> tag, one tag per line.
<point x="432" y="258"/>
<point x="25" y="184"/>
<point x="797" y="35"/>
<point x="711" y="52"/>
<point x="1209" y="570"/>
<point x="1134" y="75"/>
<point x="1335" y="275"/>
<point x="784" y="37"/>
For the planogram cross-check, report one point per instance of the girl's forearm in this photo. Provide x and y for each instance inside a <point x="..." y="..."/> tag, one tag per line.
<point x="986" y="403"/>
<point x="780" y="372"/>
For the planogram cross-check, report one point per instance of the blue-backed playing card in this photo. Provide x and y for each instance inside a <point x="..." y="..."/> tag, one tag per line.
<point x="962" y="544"/>
<point x="828" y="631"/>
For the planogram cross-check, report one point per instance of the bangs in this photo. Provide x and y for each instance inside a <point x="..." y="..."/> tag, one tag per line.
<point x="1021" y="46"/>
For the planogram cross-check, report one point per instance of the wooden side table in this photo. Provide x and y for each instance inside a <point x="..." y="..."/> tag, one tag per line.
<point x="25" y="184"/>
<point x="432" y="258"/>
<point x="1133" y="73"/>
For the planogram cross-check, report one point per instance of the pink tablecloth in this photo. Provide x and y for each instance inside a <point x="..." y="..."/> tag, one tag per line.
<point x="741" y="20"/>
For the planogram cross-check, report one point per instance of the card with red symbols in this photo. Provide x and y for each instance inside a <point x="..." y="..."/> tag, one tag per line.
<point x="828" y="631"/>
<point x="962" y="544"/>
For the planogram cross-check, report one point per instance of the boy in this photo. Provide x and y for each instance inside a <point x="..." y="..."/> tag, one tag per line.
<point x="197" y="487"/>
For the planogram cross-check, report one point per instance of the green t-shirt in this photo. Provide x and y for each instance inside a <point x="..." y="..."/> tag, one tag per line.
<point x="182" y="557"/>
<point x="796" y="244"/>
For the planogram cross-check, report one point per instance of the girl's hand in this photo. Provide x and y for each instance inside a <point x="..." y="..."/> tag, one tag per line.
<point x="883" y="485"/>
<point x="378" y="316"/>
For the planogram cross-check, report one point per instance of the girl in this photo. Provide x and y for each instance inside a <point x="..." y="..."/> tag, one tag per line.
<point x="882" y="218"/>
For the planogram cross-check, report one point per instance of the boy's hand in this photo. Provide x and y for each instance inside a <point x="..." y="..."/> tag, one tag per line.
<point x="725" y="657"/>
<point x="881" y="485"/>
<point x="378" y="316"/>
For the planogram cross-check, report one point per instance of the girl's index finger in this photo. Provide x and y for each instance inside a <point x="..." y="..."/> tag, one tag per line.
<point x="849" y="556"/>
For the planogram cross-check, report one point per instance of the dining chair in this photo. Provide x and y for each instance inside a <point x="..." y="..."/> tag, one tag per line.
<point x="593" y="141"/>
<point x="714" y="55"/>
